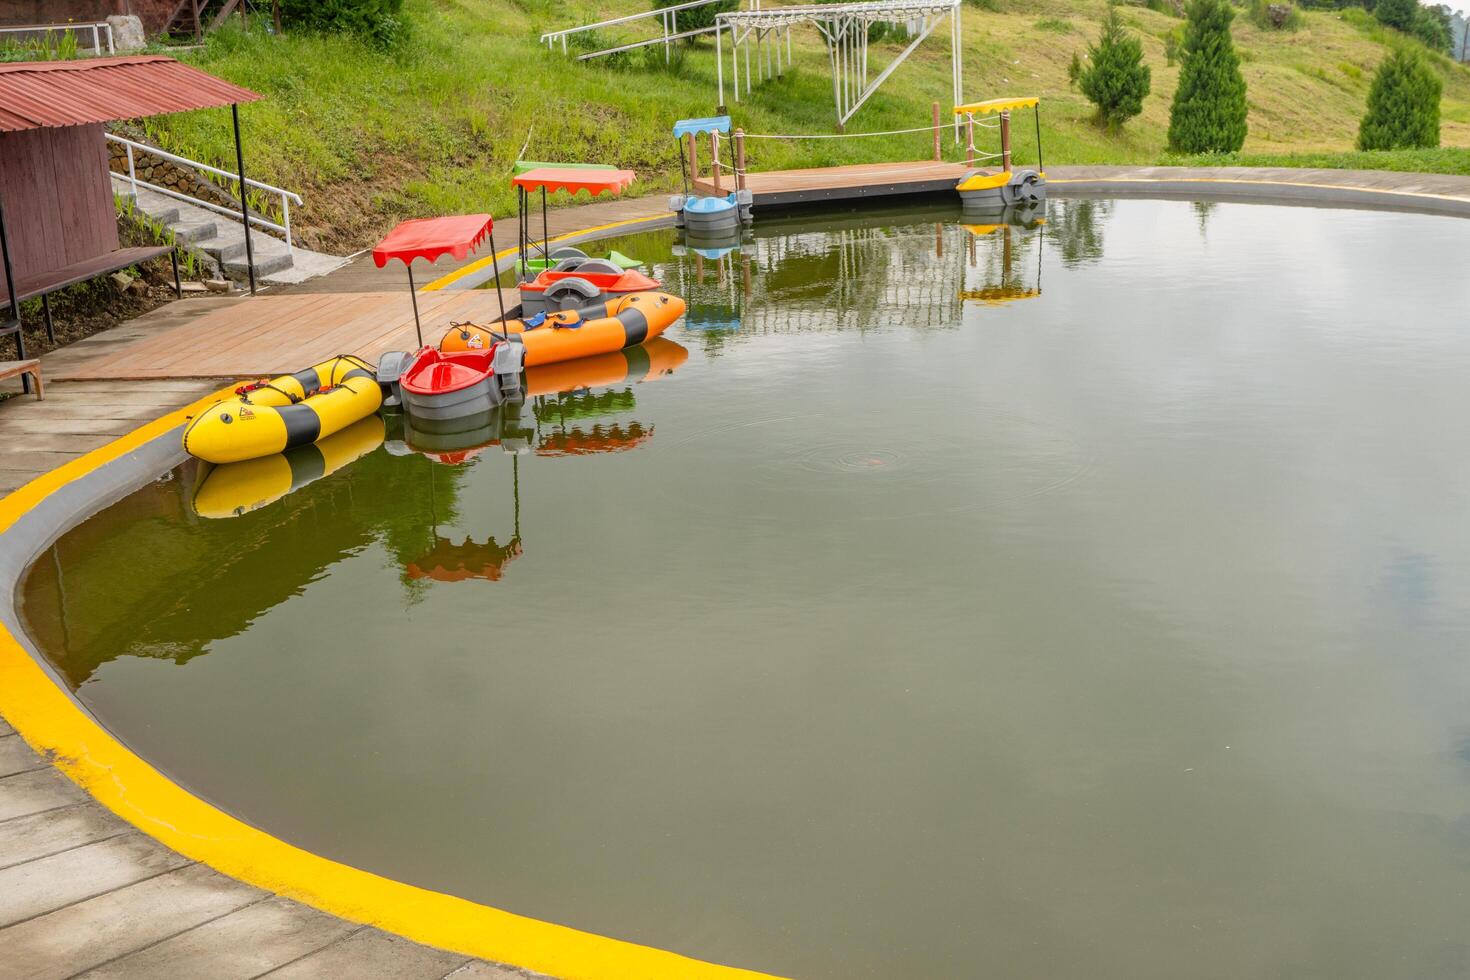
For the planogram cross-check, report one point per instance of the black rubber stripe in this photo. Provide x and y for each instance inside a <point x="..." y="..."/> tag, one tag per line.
<point x="359" y="373"/>
<point x="309" y="381"/>
<point x="307" y="463"/>
<point x="635" y="326"/>
<point x="639" y="362"/>
<point x="303" y="425"/>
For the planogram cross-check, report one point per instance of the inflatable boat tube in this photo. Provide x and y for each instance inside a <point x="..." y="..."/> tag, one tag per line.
<point x="567" y="335"/>
<point x="269" y="417"/>
<point x="234" y="489"/>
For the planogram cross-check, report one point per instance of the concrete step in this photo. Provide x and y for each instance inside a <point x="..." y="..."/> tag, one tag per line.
<point x="265" y="265"/>
<point x="192" y="232"/>
<point x="220" y="240"/>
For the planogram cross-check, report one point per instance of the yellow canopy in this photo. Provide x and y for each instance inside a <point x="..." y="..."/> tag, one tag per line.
<point x="996" y="105"/>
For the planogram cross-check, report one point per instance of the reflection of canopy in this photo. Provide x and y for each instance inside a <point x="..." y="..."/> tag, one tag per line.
<point x="429" y="238"/>
<point x="698" y="127"/>
<point x="995" y="295"/>
<point x="996" y="105"/>
<point x="571" y="179"/>
<point x="450" y="562"/>
<point x="602" y="439"/>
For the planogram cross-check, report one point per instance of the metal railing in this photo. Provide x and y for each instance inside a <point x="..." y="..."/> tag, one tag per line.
<point x="132" y="179"/>
<point x="668" y="24"/>
<point x="97" y="30"/>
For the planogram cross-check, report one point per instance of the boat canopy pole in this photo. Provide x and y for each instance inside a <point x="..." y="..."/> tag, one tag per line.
<point x="545" y="231"/>
<point x="495" y="271"/>
<point x="1036" y="114"/>
<point x="414" y="295"/>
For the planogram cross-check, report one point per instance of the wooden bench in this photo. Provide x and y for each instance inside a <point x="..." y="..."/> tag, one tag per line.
<point x="9" y="369"/>
<point x="45" y="283"/>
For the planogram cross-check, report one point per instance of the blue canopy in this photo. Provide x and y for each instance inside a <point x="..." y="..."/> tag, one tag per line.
<point x="711" y="124"/>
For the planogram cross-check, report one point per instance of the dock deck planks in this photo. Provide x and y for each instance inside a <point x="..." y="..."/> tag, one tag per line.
<point x="784" y="188"/>
<point x="283" y="332"/>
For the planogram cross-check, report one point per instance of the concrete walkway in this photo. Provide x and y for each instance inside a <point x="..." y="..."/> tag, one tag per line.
<point x="84" y="894"/>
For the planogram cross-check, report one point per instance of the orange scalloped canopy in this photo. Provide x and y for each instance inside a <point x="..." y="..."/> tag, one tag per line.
<point x="568" y="179"/>
<point x="429" y="238"/>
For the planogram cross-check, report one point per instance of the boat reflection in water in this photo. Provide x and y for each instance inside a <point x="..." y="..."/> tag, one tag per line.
<point x="1006" y="281"/>
<point x="564" y="415"/>
<point x="235" y="489"/>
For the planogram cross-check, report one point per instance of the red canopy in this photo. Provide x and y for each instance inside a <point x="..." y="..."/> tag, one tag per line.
<point x="569" y="179"/>
<point x="429" y="238"/>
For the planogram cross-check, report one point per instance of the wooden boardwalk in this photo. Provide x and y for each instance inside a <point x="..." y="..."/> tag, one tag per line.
<point x="785" y="188"/>
<point x="279" y="333"/>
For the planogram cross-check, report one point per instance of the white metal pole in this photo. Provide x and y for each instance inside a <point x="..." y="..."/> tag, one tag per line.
<point x="746" y="45"/>
<point x="720" y="63"/>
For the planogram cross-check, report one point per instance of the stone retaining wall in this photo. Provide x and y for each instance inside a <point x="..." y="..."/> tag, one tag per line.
<point x="164" y="173"/>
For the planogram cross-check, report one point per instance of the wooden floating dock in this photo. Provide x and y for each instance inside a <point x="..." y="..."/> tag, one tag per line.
<point x="787" y="188"/>
<point x="278" y="333"/>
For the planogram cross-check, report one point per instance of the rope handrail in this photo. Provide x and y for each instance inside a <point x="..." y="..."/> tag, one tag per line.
<point x="838" y="136"/>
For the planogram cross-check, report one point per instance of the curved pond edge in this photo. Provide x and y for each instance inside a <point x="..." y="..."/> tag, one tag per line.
<point x="35" y="701"/>
<point x="64" y="732"/>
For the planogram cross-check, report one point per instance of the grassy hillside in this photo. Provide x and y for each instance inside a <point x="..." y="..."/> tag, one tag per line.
<point x="369" y="137"/>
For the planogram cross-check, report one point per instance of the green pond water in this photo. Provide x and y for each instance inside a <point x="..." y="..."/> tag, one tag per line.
<point x="1089" y="599"/>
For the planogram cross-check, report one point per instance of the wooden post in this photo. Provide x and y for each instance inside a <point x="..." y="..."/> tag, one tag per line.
<point x="740" y="159"/>
<point x="1005" y="141"/>
<point x="693" y="161"/>
<point x="969" y="141"/>
<point x="937" y="156"/>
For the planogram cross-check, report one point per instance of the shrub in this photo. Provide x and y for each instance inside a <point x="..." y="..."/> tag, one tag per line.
<point x="1403" y="105"/>
<point x="1396" y="13"/>
<point x="1275" y="15"/>
<point x="1208" y="115"/>
<point x="1432" y="26"/>
<point x="1115" y="79"/>
<point x="1174" y="45"/>
<point x="696" y="17"/>
<point x="378" y="21"/>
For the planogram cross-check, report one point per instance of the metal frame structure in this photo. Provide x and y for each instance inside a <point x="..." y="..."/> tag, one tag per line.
<point x="134" y="182"/>
<point x="844" y="27"/>
<point x="97" y="30"/>
<point x="668" y="23"/>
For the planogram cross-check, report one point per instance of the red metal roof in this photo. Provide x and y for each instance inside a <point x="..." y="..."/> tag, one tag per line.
<point x="44" y="94"/>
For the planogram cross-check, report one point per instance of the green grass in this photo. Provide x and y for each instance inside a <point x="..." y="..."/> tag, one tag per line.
<point x="369" y="137"/>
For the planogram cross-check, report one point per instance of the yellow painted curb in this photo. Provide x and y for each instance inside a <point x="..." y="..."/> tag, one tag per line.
<point x="53" y="725"/>
<point x="478" y="264"/>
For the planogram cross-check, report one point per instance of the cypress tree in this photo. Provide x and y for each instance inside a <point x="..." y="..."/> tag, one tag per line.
<point x="1396" y="13"/>
<point x="1208" y="115"/>
<point x="1115" y="79"/>
<point x="1403" y="105"/>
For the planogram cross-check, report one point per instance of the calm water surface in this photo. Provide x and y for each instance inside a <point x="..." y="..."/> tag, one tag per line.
<point x="915" y="625"/>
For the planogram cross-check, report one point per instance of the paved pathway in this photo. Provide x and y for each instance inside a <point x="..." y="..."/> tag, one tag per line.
<point x="82" y="892"/>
